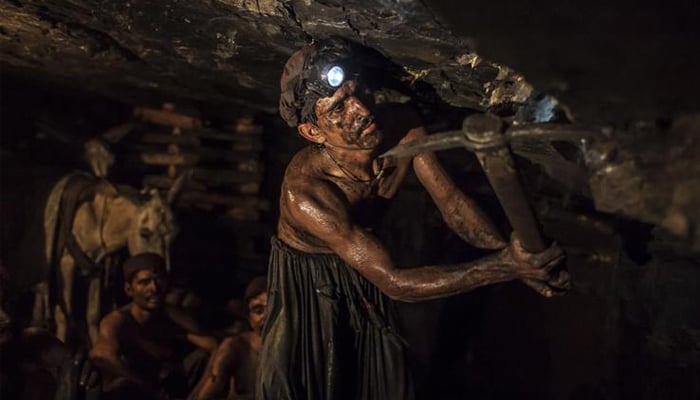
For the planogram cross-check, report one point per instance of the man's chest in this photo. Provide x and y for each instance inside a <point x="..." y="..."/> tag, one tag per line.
<point x="386" y="179"/>
<point x="245" y="369"/>
<point x="365" y="204"/>
<point x="155" y="342"/>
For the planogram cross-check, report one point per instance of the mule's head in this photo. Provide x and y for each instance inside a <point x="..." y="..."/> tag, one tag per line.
<point x="154" y="227"/>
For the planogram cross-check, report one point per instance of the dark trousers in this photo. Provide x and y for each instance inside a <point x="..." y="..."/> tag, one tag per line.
<point x="177" y="382"/>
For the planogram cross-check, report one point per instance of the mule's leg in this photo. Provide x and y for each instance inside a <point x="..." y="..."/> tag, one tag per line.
<point x="65" y="296"/>
<point x="40" y="309"/>
<point x="94" y="302"/>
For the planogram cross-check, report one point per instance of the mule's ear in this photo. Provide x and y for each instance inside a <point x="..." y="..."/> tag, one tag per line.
<point x="178" y="185"/>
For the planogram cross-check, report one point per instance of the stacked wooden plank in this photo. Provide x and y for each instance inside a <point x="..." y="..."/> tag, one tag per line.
<point x="227" y="172"/>
<point x="226" y="167"/>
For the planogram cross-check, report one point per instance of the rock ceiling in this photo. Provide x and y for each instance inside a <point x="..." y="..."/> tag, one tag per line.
<point x="606" y="62"/>
<point x="623" y="63"/>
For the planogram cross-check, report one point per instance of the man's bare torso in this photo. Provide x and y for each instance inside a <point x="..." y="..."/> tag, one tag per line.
<point x="310" y="169"/>
<point x="246" y="367"/>
<point x="148" y="348"/>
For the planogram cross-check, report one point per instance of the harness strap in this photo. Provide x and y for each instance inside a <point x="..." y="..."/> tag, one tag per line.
<point x="76" y="193"/>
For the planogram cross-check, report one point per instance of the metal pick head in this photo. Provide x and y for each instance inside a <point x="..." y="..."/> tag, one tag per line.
<point x="438" y="141"/>
<point x="482" y="132"/>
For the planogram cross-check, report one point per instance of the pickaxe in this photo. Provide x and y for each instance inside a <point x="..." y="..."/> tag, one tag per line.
<point x="484" y="134"/>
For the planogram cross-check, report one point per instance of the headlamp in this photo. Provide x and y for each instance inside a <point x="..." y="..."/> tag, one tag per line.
<point x="324" y="73"/>
<point x="334" y="76"/>
<point x="325" y="78"/>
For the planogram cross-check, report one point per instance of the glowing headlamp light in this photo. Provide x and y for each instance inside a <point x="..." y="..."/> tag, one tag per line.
<point x="325" y="78"/>
<point x="334" y="76"/>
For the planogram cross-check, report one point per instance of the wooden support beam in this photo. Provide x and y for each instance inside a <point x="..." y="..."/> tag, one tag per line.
<point x="167" y="118"/>
<point x="167" y="159"/>
<point x="245" y="125"/>
<point x="187" y="136"/>
<point x="247" y="129"/>
<point x="244" y="160"/>
<point x="249" y="188"/>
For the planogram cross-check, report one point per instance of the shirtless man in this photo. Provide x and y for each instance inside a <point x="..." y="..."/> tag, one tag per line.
<point x="35" y="365"/>
<point x="235" y="363"/>
<point x="136" y="346"/>
<point x="330" y="332"/>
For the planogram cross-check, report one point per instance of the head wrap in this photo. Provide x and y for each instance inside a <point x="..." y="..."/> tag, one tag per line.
<point x="143" y="261"/>
<point x="291" y="84"/>
<point x="297" y="101"/>
<point x="255" y="287"/>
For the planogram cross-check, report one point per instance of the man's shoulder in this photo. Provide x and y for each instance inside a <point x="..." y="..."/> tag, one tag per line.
<point x="246" y="337"/>
<point x="239" y="342"/>
<point x="304" y="174"/>
<point x="117" y="318"/>
<point x="304" y="163"/>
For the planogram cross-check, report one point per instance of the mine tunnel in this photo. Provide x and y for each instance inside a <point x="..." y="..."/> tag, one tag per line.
<point x="157" y="165"/>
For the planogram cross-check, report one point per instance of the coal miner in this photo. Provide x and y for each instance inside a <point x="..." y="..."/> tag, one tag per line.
<point x="330" y="332"/>
<point x="231" y="372"/>
<point x="35" y="365"/>
<point x="139" y="348"/>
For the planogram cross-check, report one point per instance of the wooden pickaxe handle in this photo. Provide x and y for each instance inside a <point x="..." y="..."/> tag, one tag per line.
<point x="497" y="163"/>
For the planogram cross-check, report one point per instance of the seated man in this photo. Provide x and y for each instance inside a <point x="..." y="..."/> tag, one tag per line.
<point x="35" y="365"/>
<point x="235" y="363"/>
<point x="136" y="346"/>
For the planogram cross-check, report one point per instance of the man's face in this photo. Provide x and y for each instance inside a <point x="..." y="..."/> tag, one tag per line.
<point x="5" y="319"/>
<point x="346" y="119"/>
<point x="147" y="289"/>
<point x="257" y="311"/>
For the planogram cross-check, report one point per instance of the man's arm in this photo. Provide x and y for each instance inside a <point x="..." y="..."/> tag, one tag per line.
<point x="219" y="372"/>
<point x="320" y="210"/>
<point x="208" y="343"/>
<point x="190" y="330"/>
<point x="459" y="211"/>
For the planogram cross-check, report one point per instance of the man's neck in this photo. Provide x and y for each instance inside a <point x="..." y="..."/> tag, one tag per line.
<point x="356" y="164"/>
<point x="142" y="315"/>
<point x="256" y="339"/>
